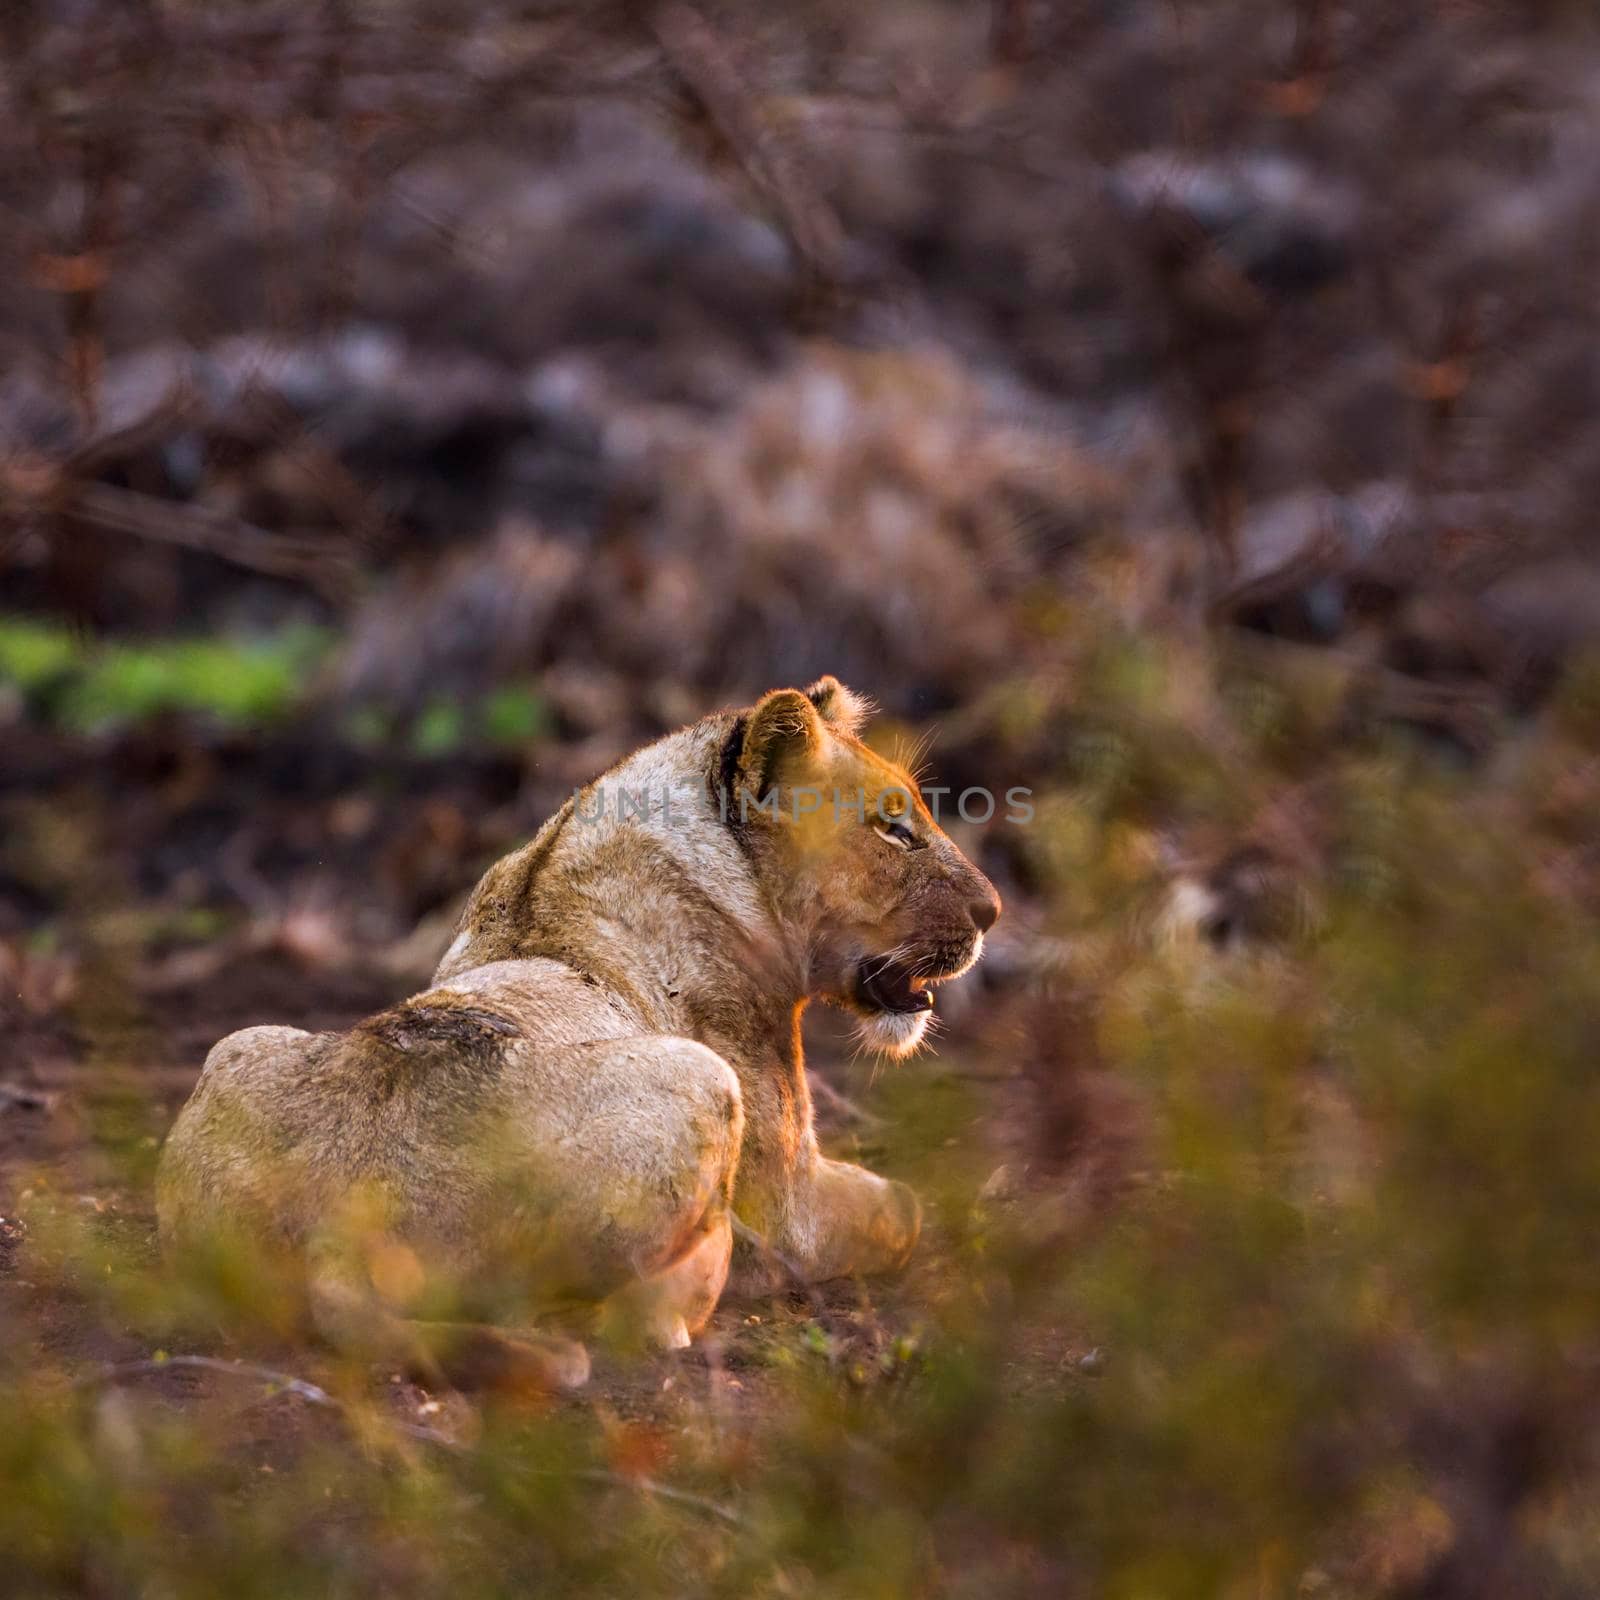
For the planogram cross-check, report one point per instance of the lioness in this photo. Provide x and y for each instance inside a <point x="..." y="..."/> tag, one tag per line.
<point x="608" y="1066"/>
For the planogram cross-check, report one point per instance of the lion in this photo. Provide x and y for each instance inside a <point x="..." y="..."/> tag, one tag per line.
<point x="605" y="1079"/>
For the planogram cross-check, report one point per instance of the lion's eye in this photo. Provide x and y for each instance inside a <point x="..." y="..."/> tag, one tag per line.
<point x="897" y="833"/>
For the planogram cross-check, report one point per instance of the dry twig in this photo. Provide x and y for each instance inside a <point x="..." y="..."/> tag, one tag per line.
<point x="315" y="1395"/>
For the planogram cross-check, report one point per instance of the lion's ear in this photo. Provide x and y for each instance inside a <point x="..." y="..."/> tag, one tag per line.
<point x="783" y="729"/>
<point x="838" y="706"/>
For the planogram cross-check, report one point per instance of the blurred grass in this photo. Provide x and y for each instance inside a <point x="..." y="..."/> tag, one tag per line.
<point x="1345" y="1300"/>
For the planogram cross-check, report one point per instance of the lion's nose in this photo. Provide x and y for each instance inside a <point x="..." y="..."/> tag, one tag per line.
<point x="984" y="913"/>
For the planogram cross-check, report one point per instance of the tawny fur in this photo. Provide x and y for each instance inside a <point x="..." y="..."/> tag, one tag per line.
<point x="608" y="1066"/>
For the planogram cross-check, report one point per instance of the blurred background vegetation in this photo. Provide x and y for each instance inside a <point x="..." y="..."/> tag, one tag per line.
<point x="1187" y="409"/>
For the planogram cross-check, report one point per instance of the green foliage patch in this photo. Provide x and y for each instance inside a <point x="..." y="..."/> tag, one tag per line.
<point x="92" y="687"/>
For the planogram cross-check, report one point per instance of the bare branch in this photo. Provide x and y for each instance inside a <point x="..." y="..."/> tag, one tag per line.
<point x="329" y="571"/>
<point x="729" y="125"/>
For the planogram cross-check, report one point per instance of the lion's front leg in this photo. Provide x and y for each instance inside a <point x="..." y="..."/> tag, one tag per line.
<point x="852" y="1221"/>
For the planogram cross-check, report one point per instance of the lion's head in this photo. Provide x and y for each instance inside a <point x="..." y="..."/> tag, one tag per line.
<point x="846" y="848"/>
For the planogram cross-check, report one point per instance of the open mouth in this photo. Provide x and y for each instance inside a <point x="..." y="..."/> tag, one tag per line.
<point x="884" y="985"/>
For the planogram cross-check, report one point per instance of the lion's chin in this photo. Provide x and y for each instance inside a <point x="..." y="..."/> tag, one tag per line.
<point x="893" y="1033"/>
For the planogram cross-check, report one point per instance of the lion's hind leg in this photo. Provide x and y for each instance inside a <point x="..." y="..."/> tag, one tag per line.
<point x="628" y="1150"/>
<point x="666" y="1308"/>
<point x="652" y="1172"/>
<point x="357" y="1322"/>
